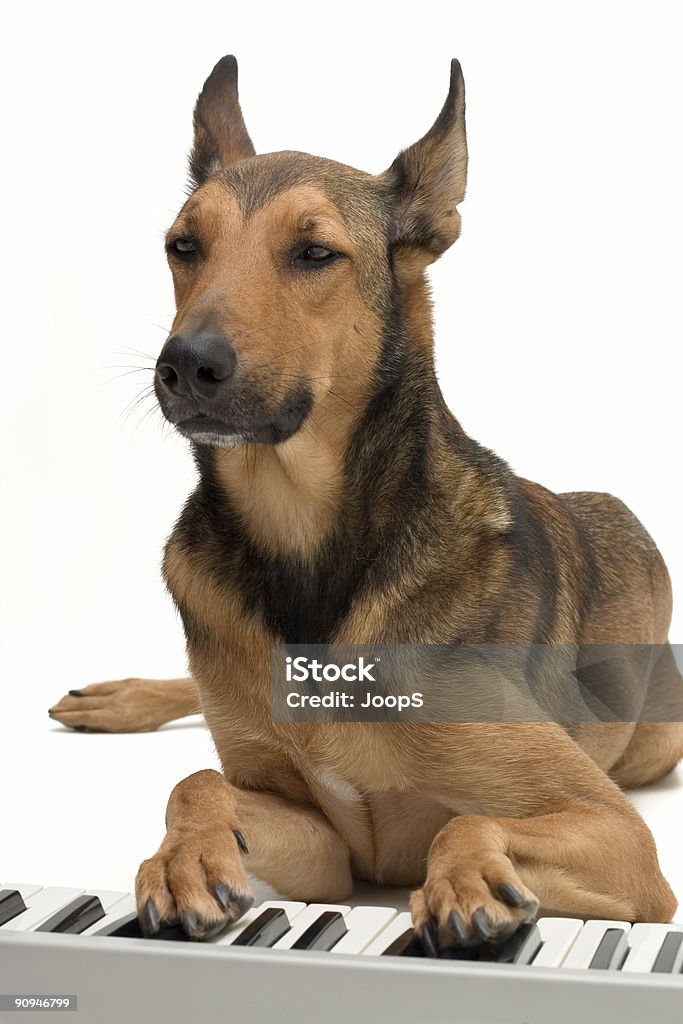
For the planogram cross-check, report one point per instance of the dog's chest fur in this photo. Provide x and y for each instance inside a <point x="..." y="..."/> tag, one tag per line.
<point x="293" y="602"/>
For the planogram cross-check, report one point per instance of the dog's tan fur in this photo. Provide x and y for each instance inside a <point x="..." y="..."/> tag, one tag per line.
<point x="454" y="809"/>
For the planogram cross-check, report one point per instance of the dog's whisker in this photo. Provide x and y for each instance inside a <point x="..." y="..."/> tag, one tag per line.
<point x="126" y="351"/>
<point x="125" y="366"/>
<point x="297" y="377"/>
<point x="145" y="417"/>
<point x="127" y="373"/>
<point x="135" y="402"/>
<point x="162" y="206"/>
<point x="340" y="398"/>
<point x="146" y="392"/>
<point x="308" y="430"/>
<point x="126" y="417"/>
<point x="161" y="327"/>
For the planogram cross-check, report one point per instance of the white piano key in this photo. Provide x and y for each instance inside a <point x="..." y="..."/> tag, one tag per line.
<point x="645" y="942"/>
<point x="559" y="935"/>
<point x="292" y="908"/>
<point x="305" y="919"/>
<point x="24" y="888"/>
<point x="40" y="906"/>
<point x="583" y="949"/>
<point x="364" y="924"/>
<point x="400" y="924"/>
<point x="126" y="905"/>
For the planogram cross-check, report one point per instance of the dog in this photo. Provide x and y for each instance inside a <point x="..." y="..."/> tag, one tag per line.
<point x="339" y="500"/>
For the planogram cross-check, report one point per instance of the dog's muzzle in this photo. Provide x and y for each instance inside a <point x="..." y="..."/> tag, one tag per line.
<point x="203" y="395"/>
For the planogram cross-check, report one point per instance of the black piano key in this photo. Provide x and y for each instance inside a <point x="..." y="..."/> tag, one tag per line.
<point x="405" y="945"/>
<point x="409" y="944"/>
<point x="469" y="953"/>
<point x="324" y="933"/>
<point x="520" y="948"/>
<point x="670" y="957"/>
<point x="11" y="904"/>
<point x="128" y="927"/>
<point x="611" y="950"/>
<point x="75" y="917"/>
<point x="268" y="927"/>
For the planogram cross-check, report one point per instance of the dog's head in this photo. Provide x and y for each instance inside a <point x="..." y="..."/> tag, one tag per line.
<point x="286" y="267"/>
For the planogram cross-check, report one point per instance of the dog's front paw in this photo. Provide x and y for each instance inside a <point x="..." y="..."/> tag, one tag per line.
<point x="123" y="705"/>
<point x="196" y="881"/>
<point x="464" y="903"/>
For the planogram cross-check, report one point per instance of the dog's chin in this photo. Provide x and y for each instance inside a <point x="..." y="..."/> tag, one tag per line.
<point x="208" y="430"/>
<point x="216" y="440"/>
<point x="212" y="431"/>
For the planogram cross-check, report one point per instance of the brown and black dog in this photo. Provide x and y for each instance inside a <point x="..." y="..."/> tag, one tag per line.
<point x="339" y="500"/>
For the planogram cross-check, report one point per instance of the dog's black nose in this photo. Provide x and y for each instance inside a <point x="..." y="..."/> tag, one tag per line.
<point x="195" y="365"/>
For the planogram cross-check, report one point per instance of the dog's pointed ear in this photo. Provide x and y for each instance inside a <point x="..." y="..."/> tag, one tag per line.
<point x="426" y="182"/>
<point x="220" y="135"/>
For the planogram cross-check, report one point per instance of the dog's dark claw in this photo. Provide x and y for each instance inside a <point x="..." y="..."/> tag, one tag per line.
<point x="210" y="932"/>
<point x="79" y="728"/>
<point x="241" y="841"/>
<point x="482" y="925"/>
<point x="429" y="940"/>
<point x="457" y="926"/>
<point x="75" y="693"/>
<point x="149" y="918"/>
<point x="190" y="923"/>
<point x="510" y="895"/>
<point x="222" y="894"/>
<point x="243" y="902"/>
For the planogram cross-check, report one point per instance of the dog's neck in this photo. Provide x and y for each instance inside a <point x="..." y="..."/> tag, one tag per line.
<point x="288" y="495"/>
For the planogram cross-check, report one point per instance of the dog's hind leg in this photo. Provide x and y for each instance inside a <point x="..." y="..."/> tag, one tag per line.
<point x="656" y="745"/>
<point x="215" y="834"/>
<point x="654" y="750"/>
<point x="127" y="705"/>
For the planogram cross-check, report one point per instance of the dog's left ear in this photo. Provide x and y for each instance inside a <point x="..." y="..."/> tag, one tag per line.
<point x="426" y="182"/>
<point x="220" y="135"/>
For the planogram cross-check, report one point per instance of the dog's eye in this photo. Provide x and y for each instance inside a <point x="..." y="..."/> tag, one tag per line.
<point x="184" y="248"/>
<point x="317" y="253"/>
<point x="313" y="256"/>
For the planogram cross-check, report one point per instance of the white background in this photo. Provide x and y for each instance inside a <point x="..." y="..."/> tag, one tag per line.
<point x="558" y="319"/>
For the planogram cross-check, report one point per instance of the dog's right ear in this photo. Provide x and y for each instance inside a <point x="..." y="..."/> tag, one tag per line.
<point x="220" y="135"/>
<point x="426" y="182"/>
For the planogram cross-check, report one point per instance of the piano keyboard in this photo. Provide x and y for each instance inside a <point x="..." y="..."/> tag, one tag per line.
<point x="291" y="959"/>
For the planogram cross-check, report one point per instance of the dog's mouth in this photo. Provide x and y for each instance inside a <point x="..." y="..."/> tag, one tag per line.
<point x="253" y="427"/>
